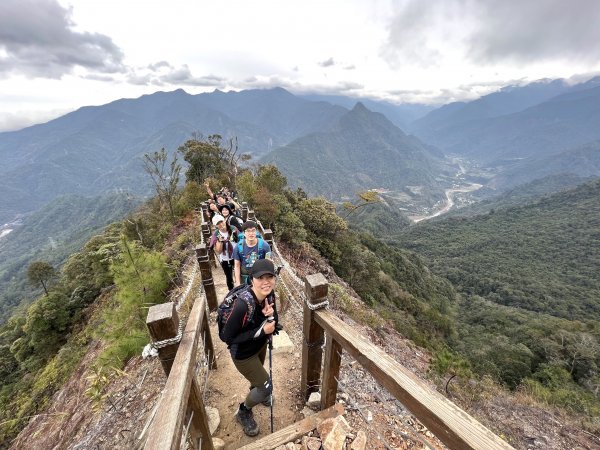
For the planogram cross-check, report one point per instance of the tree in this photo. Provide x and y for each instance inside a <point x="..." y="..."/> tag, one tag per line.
<point x="209" y="158"/>
<point x="367" y="197"/>
<point x="165" y="179"/>
<point x="40" y="272"/>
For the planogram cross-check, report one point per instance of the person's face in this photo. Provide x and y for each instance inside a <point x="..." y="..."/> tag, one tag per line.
<point x="250" y="233"/>
<point x="225" y="212"/>
<point x="222" y="225"/>
<point x="213" y="207"/>
<point x="221" y="200"/>
<point x="265" y="284"/>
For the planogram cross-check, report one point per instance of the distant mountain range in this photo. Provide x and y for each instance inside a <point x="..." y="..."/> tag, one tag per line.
<point x="97" y="149"/>
<point x="524" y="132"/>
<point x="362" y="150"/>
<point x="400" y="115"/>
<point x="527" y="132"/>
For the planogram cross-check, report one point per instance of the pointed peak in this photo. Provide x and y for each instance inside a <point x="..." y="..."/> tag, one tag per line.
<point x="359" y="107"/>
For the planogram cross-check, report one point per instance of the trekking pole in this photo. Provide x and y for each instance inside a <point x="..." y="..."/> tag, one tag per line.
<point x="271" y="372"/>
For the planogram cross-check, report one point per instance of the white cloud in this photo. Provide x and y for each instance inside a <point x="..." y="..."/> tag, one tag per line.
<point x="62" y="54"/>
<point x="37" y="39"/>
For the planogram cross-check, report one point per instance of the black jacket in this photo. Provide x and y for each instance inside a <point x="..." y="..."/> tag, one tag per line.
<point x="243" y="332"/>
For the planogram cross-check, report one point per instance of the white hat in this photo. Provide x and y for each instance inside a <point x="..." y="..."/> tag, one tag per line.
<point x="217" y="218"/>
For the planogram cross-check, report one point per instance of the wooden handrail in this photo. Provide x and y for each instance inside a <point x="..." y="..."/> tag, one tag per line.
<point x="453" y="426"/>
<point x="166" y="429"/>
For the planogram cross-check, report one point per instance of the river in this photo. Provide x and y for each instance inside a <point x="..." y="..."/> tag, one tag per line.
<point x="449" y="201"/>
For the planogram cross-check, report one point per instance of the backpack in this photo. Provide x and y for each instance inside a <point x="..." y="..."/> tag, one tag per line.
<point x="262" y="253"/>
<point x="226" y="307"/>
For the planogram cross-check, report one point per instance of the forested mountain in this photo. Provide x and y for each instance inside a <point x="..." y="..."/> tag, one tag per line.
<point x="280" y="113"/>
<point x="520" y="195"/>
<point x="559" y="124"/>
<point x="363" y="150"/>
<point x="582" y="161"/>
<point x="520" y="308"/>
<point x="540" y="257"/>
<point x="508" y="100"/>
<point x="98" y="148"/>
<point x="51" y="235"/>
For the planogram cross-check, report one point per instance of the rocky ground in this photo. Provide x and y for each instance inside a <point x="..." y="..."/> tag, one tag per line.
<point x="73" y="421"/>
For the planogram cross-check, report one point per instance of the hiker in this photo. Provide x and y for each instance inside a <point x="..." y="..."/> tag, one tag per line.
<point x="222" y="241"/>
<point x="230" y="217"/>
<point x="250" y="319"/>
<point x="212" y="209"/>
<point x="226" y="200"/>
<point x="248" y="250"/>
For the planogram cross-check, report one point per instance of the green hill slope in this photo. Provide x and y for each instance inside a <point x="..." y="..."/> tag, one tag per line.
<point x="51" y="235"/>
<point x="362" y="151"/>
<point x="541" y="257"/>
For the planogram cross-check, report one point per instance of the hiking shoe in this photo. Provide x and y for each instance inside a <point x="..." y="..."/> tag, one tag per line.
<point x="245" y="417"/>
<point x="270" y="399"/>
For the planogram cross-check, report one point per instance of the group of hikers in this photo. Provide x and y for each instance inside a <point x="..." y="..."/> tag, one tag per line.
<point x="247" y="317"/>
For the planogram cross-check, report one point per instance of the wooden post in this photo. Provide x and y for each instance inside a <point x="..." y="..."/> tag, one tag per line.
<point x="331" y="372"/>
<point x="181" y="394"/>
<point x="245" y="211"/>
<point x="163" y="323"/>
<point x="209" y="348"/>
<point x="316" y="288"/>
<point x="199" y="419"/>
<point x="205" y="212"/>
<point x="268" y="236"/>
<point x="206" y="273"/>
<point x="206" y="233"/>
<point x="251" y="215"/>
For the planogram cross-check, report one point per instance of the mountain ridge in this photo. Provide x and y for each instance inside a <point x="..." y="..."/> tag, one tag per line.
<point x="363" y="150"/>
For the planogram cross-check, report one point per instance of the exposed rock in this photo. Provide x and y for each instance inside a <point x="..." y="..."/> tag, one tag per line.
<point x="218" y="444"/>
<point x="360" y="442"/>
<point x="311" y="443"/>
<point x="282" y="343"/>
<point x="314" y="401"/>
<point x="307" y="411"/>
<point x="333" y="433"/>
<point x="214" y="419"/>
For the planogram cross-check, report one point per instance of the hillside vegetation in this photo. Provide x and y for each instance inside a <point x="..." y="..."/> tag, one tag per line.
<point x="51" y="235"/>
<point x="488" y="331"/>
<point x="105" y="288"/>
<point x="541" y="257"/>
<point x="528" y="275"/>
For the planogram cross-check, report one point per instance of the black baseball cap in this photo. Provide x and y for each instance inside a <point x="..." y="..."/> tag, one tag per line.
<point x="263" y="267"/>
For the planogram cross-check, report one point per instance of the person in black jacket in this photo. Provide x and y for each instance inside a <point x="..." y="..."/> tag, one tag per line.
<point x="232" y="219"/>
<point x="253" y="319"/>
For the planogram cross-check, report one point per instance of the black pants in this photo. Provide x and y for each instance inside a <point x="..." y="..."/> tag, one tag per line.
<point x="228" y="269"/>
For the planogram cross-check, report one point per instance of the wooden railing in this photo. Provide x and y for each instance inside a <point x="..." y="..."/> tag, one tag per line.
<point x="181" y="406"/>
<point x="453" y="426"/>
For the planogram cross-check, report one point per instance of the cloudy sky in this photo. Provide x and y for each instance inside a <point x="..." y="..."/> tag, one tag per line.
<point x="58" y="55"/>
